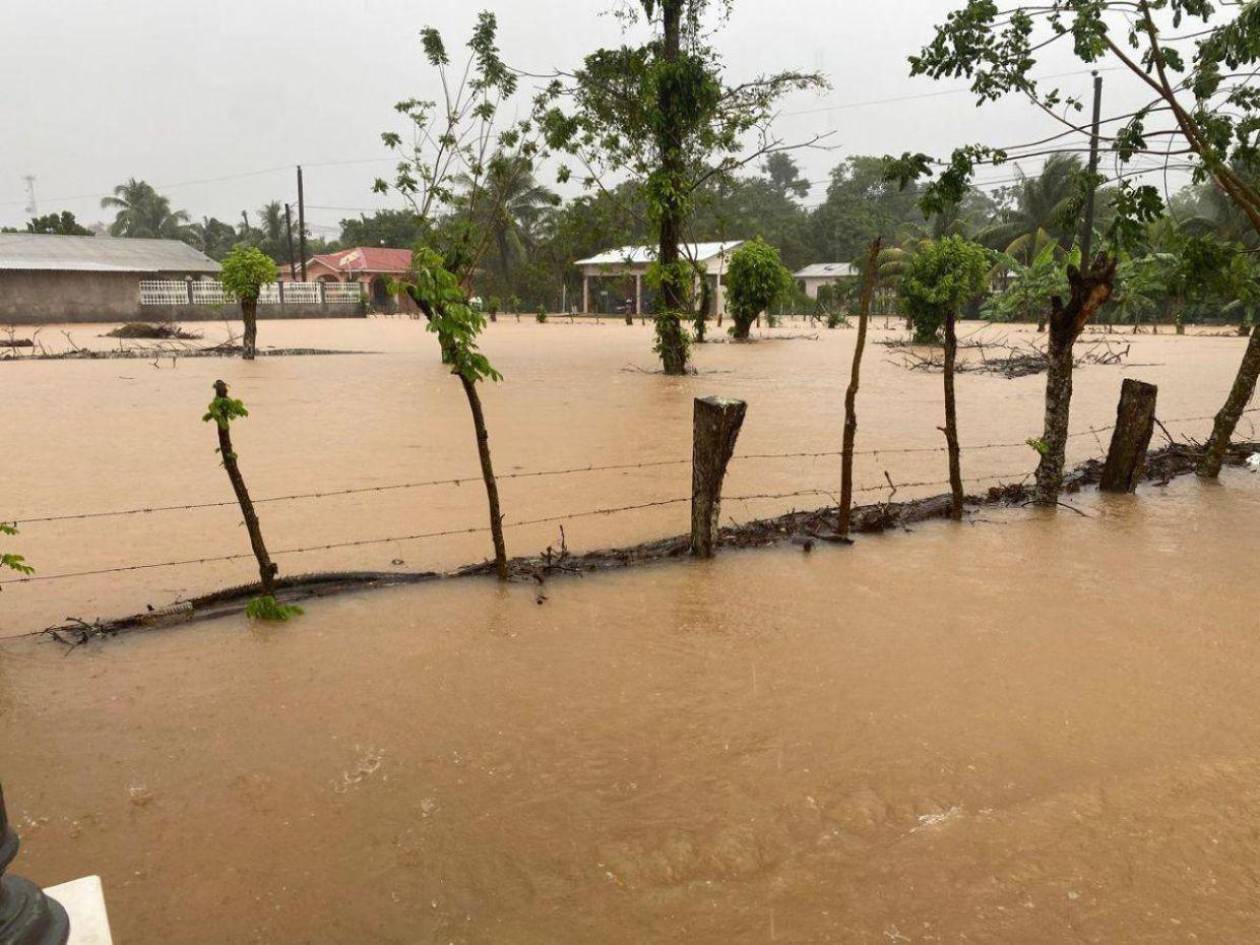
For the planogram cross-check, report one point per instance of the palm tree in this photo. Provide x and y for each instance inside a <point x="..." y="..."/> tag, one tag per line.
<point x="512" y="205"/>
<point x="1046" y="209"/>
<point x="143" y="212"/>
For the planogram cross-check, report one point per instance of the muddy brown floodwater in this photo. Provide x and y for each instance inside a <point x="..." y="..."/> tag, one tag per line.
<point x="1035" y="727"/>
<point x="93" y="436"/>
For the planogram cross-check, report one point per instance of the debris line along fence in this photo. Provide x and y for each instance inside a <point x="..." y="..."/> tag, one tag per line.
<point x="888" y="486"/>
<point x="211" y="292"/>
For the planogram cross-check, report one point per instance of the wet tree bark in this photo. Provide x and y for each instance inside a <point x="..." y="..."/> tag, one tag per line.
<point x="266" y="567"/>
<point x="1087" y="293"/>
<point x="850" y="395"/>
<point x="487" y="475"/>
<point x="715" y="428"/>
<point x="249" y="315"/>
<point x="951" y="419"/>
<point x="1240" y="395"/>
<point x="1135" y="422"/>
<point x="673" y="348"/>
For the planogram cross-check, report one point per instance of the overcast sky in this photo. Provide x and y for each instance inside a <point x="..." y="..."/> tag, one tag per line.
<point x="193" y="96"/>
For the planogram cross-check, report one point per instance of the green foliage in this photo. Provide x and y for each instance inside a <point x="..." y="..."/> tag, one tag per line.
<point x="942" y="277"/>
<point x="541" y="315"/>
<point x="61" y="224"/>
<point x="755" y="278"/>
<point x="998" y="48"/>
<point x="493" y="305"/>
<point x="223" y="410"/>
<point x="268" y="608"/>
<point x="1027" y="297"/>
<point x="246" y="269"/>
<point x="436" y="290"/>
<point x="10" y="561"/>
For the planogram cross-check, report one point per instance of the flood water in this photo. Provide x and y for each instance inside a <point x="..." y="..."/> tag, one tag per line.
<point x="1034" y="727"/>
<point x="102" y="436"/>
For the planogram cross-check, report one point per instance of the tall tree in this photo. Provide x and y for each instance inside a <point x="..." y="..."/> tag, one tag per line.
<point x="662" y="113"/>
<point x="143" y="212"/>
<point x="1190" y="58"/>
<point x="61" y="224"/>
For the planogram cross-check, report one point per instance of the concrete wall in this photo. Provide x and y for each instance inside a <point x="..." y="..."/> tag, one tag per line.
<point x="32" y="297"/>
<point x="41" y="298"/>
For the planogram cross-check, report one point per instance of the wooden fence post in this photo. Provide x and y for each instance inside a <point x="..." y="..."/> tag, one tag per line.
<point x="1135" y="422"/>
<point x="27" y="916"/>
<point x="715" y="428"/>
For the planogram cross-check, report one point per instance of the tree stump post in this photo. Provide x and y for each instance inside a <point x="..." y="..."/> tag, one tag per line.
<point x="27" y="916"/>
<point x="716" y="425"/>
<point x="1135" y="422"/>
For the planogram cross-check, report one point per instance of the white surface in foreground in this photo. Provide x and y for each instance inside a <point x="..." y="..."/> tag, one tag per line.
<point x="84" y="901"/>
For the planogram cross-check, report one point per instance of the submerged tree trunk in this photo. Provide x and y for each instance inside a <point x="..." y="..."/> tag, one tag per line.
<point x="951" y="419"/>
<point x="1087" y="293"/>
<point x="487" y="474"/>
<point x="1240" y="395"/>
<point x="669" y="331"/>
<point x="266" y="567"/>
<point x="249" y="315"/>
<point x="850" y="395"/>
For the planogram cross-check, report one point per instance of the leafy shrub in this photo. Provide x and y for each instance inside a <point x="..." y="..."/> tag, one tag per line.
<point x="268" y="608"/>
<point x="754" y="280"/>
<point x="940" y="279"/>
<point x="541" y="315"/>
<point x="493" y="305"/>
<point x="246" y="269"/>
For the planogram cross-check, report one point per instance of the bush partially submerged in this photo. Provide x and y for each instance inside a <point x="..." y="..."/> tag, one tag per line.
<point x="268" y="608"/>
<point x="155" y="332"/>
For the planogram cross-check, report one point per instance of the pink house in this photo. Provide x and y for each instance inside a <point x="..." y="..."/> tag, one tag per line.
<point x="375" y="267"/>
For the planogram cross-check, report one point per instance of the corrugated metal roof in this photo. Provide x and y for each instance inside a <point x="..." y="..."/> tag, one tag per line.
<point x="642" y="255"/>
<point x="827" y="271"/>
<point x="99" y="254"/>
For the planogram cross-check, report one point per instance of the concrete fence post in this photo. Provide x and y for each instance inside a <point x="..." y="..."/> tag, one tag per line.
<point x="323" y="295"/>
<point x="280" y="290"/>
<point x="188" y="290"/>
<point x="1135" y="422"/>
<point x="27" y="916"/>
<point x="715" y="428"/>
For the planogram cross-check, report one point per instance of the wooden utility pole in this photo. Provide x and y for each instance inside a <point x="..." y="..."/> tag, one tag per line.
<point x="850" y="396"/>
<point x="288" y="232"/>
<point x="1087" y="227"/>
<point x="1135" y="423"/>
<point x="266" y="567"/>
<point x="301" y="222"/>
<point x="716" y="425"/>
<point x="951" y="418"/>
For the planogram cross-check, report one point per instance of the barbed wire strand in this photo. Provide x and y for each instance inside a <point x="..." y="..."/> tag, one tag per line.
<point x="538" y="474"/>
<point x="358" y="543"/>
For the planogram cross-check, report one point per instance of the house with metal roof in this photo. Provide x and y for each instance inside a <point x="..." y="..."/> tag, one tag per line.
<point x="631" y="262"/>
<point x="50" y="278"/>
<point x="811" y="278"/>
<point x="373" y="267"/>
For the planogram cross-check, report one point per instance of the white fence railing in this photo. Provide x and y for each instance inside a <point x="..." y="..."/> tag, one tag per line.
<point x="209" y="292"/>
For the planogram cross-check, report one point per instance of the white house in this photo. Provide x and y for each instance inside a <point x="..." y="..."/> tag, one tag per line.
<point x="819" y="274"/>
<point x="711" y="258"/>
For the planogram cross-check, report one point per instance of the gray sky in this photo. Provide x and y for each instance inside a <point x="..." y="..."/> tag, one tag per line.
<point x="191" y="95"/>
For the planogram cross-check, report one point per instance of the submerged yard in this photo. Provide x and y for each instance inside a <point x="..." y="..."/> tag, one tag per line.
<point x="107" y="436"/>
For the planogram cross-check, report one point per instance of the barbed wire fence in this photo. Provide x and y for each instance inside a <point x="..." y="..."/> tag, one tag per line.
<point x="812" y="492"/>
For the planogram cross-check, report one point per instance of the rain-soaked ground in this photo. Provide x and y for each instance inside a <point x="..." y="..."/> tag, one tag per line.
<point x="1035" y="727"/>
